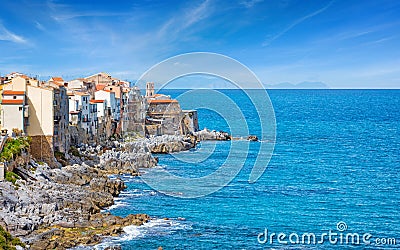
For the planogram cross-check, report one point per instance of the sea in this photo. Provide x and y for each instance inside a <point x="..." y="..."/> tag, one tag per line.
<point x="333" y="175"/>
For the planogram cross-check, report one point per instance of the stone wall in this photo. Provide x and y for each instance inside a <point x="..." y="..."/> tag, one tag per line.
<point x="42" y="148"/>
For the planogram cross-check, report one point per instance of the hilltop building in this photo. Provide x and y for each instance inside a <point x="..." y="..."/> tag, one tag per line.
<point x="165" y="116"/>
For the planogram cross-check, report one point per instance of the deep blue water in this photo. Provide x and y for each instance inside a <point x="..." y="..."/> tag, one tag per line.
<point x="336" y="159"/>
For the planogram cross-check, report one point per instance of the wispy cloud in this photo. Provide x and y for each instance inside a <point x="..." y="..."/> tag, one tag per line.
<point x="7" y="35"/>
<point x="192" y="16"/>
<point x="351" y="33"/>
<point x="250" y="3"/>
<point x="39" y="26"/>
<point x="295" y="23"/>
<point x="62" y="12"/>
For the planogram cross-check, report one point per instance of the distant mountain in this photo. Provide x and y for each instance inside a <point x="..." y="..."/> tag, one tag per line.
<point x="301" y="85"/>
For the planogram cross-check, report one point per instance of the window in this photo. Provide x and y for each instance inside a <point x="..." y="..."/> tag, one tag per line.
<point x="20" y="108"/>
<point x="14" y="97"/>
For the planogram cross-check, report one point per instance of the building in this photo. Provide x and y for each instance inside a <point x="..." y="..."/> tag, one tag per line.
<point x="165" y="116"/>
<point x="42" y="110"/>
<point x="101" y="78"/>
<point x="61" y="113"/>
<point x="149" y="89"/>
<point x="14" y="111"/>
<point x="135" y="112"/>
<point x="79" y="111"/>
<point x="111" y="100"/>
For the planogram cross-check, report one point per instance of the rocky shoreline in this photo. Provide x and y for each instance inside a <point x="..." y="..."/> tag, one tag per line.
<point x="61" y="207"/>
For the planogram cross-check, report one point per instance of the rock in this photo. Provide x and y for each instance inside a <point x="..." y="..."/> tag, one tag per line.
<point x="205" y="135"/>
<point x="113" y="248"/>
<point x="252" y="138"/>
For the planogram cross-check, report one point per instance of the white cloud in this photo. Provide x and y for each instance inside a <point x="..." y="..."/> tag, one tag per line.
<point x="6" y="35"/>
<point x="250" y="3"/>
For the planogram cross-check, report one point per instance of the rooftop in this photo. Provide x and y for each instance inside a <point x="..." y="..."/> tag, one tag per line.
<point x="96" y="101"/>
<point x="11" y="92"/>
<point x="163" y="101"/>
<point x="12" y="102"/>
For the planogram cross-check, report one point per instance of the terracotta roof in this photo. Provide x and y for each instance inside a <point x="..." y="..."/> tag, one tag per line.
<point x="24" y="76"/>
<point x="81" y="93"/>
<point x="11" y="92"/>
<point x="96" y="101"/>
<point x="12" y="102"/>
<point x="100" y="87"/>
<point x="162" y="101"/>
<point x="57" y="79"/>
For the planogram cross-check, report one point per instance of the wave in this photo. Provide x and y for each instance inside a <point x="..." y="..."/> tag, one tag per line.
<point x="152" y="228"/>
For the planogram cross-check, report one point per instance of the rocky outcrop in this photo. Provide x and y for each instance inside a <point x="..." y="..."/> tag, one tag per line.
<point x="57" y="237"/>
<point x="48" y="213"/>
<point x="170" y="143"/>
<point x="127" y="158"/>
<point x="87" y="177"/>
<point x="252" y="138"/>
<point x="205" y="134"/>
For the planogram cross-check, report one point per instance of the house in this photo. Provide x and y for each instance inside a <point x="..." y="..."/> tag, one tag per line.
<point x="105" y="127"/>
<point x="79" y="111"/>
<point x="93" y="119"/>
<point x="135" y="112"/>
<point x="48" y="121"/>
<point x="100" y="79"/>
<point x="14" y="111"/>
<point x="42" y="110"/>
<point x="111" y="101"/>
<point x="60" y="114"/>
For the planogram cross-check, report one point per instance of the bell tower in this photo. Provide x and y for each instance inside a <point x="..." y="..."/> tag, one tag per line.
<point x="149" y="89"/>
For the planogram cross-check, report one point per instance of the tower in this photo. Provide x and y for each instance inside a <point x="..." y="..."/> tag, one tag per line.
<point x="149" y="89"/>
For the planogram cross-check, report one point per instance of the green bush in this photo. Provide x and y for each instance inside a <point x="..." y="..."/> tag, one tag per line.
<point x="12" y="177"/>
<point x="59" y="155"/>
<point x="7" y="242"/>
<point x="74" y="151"/>
<point x="14" y="147"/>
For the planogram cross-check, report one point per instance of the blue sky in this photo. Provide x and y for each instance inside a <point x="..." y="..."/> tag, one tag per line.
<point x="345" y="44"/>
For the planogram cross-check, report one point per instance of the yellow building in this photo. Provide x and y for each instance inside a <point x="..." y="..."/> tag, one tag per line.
<point x="39" y="110"/>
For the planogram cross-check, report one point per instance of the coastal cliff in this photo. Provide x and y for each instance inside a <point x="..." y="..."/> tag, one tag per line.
<point x="61" y="207"/>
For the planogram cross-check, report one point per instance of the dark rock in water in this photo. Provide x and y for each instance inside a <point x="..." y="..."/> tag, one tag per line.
<point x="113" y="248"/>
<point x="252" y="138"/>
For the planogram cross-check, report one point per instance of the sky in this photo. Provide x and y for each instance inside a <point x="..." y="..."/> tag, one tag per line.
<point x="344" y="44"/>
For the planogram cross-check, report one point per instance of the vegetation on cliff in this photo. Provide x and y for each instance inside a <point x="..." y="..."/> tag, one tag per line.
<point x="14" y="147"/>
<point x="7" y="242"/>
<point x="12" y="177"/>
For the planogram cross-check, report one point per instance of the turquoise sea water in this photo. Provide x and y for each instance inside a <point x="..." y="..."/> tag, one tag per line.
<point x="336" y="159"/>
